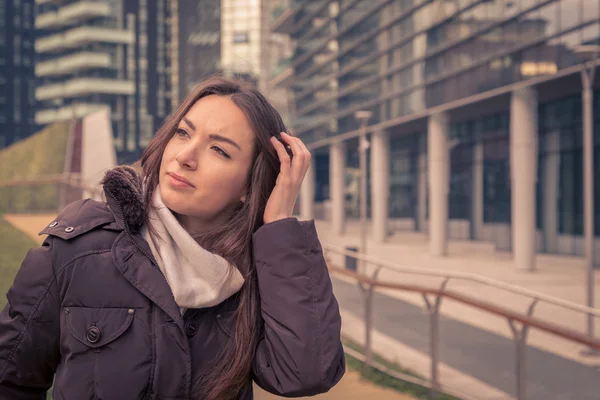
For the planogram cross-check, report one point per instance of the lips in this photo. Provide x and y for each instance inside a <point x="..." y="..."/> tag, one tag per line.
<point x="178" y="180"/>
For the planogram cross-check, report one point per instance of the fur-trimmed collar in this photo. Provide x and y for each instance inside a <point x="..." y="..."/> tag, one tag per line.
<point x="125" y="186"/>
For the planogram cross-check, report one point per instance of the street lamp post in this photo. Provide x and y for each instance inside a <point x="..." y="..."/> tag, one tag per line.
<point x="590" y="53"/>
<point x="363" y="146"/>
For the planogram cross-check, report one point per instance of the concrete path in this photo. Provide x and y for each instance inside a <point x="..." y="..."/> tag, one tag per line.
<point x="558" y="276"/>
<point x="475" y="343"/>
<point x="31" y="224"/>
<point x="483" y="355"/>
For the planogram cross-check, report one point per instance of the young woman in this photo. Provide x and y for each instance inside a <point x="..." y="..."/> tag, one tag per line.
<point x="190" y="281"/>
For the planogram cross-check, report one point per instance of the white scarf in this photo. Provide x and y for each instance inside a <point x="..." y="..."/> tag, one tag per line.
<point x="197" y="277"/>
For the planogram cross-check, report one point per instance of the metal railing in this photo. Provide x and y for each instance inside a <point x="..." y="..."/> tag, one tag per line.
<point x="44" y="193"/>
<point x="519" y="322"/>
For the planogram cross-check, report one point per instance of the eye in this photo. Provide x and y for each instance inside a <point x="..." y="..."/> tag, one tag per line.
<point x="181" y="132"/>
<point x="220" y="151"/>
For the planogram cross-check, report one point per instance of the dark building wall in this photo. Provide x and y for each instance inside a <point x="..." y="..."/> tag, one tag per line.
<point x="199" y="42"/>
<point x="17" y="80"/>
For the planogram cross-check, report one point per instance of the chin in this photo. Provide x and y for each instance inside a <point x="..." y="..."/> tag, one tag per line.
<point x="181" y="203"/>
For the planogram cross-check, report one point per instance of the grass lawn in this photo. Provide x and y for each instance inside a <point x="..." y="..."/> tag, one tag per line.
<point x="14" y="244"/>
<point x="381" y="379"/>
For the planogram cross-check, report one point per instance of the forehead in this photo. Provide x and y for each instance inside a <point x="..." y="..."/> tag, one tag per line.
<point x="219" y="114"/>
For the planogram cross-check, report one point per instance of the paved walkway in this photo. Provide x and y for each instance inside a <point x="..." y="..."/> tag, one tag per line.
<point x="474" y="343"/>
<point x="31" y="224"/>
<point x="352" y="387"/>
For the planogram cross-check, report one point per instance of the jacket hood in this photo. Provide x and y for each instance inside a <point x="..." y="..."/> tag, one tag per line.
<point x="124" y="186"/>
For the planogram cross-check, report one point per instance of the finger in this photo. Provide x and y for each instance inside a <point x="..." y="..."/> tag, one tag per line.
<point x="307" y="155"/>
<point x="284" y="157"/>
<point x="303" y="156"/>
<point x="299" y="158"/>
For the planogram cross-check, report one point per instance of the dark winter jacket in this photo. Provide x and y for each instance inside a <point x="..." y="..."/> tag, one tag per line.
<point x="90" y="309"/>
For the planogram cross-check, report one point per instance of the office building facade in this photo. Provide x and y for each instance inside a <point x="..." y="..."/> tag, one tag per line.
<point x="477" y="125"/>
<point x="198" y="46"/>
<point x="94" y="53"/>
<point x="245" y="35"/>
<point x="17" y="79"/>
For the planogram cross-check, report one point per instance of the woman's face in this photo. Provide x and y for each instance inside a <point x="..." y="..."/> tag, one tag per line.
<point x="206" y="163"/>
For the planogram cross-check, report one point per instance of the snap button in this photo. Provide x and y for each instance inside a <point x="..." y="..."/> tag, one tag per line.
<point x="130" y="311"/>
<point x="66" y="310"/>
<point x="69" y="229"/>
<point x="93" y="334"/>
<point x="218" y="315"/>
<point x="191" y="328"/>
<point x="52" y="225"/>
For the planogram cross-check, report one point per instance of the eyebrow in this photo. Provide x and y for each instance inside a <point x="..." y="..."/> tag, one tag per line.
<point x="187" y="121"/>
<point x="214" y="136"/>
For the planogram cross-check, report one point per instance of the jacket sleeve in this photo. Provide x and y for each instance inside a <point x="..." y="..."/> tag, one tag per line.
<point x="29" y="329"/>
<point x="300" y="352"/>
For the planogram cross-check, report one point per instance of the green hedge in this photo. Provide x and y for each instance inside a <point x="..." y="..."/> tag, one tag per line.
<point x="41" y="154"/>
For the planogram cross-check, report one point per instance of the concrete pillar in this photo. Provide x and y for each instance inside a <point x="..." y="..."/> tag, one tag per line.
<point x="337" y="163"/>
<point x="523" y="168"/>
<point x="550" y="173"/>
<point x="477" y="210"/>
<point x="422" y="186"/>
<point x="439" y="175"/>
<point x="307" y="193"/>
<point x="380" y="183"/>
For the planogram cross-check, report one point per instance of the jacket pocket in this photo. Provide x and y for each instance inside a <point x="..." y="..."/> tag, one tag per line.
<point x="97" y="327"/>
<point x="106" y="353"/>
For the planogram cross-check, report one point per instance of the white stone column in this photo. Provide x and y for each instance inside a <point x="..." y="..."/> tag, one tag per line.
<point x="477" y="211"/>
<point x="422" y="186"/>
<point x="337" y="163"/>
<point x="307" y="193"/>
<point x="439" y="175"/>
<point x="380" y="183"/>
<point x="523" y="167"/>
<point x="550" y="174"/>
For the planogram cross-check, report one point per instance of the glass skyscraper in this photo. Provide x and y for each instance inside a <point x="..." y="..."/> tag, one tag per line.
<point x="477" y="112"/>
<point x="97" y="53"/>
<point x="17" y="79"/>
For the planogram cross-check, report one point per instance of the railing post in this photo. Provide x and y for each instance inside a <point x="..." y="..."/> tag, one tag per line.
<point x="521" y="346"/>
<point x="434" y="338"/>
<point x="368" y="326"/>
<point x="368" y="293"/>
<point x="435" y="348"/>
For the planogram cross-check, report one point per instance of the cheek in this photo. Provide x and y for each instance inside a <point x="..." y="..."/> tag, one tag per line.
<point x="227" y="183"/>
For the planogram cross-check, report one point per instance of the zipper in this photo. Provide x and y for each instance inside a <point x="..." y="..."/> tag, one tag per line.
<point x="135" y="243"/>
<point x="155" y="264"/>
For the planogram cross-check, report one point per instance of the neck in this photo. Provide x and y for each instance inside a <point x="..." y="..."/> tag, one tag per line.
<point x="198" y="227"/>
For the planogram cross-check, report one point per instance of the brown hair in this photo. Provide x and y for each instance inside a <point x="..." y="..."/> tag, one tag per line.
<point x="233" y="241"/>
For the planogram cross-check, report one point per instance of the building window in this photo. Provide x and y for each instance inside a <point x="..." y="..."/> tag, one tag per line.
<point x="563" y="119"/>
<point x="461" y="170"/>
<point x="404" y="176"/>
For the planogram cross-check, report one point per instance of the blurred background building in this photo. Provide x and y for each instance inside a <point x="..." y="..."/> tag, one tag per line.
<point x="477" y="111"/>
<point x="196" y="43"/>
<point x="491" y="86"/>
<point x="243" y="48"/>
<point x="95" y="53"/>
<point x="17" y="79"/>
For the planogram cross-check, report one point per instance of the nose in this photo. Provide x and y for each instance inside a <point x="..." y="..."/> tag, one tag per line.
<point x="187" y="158"/>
